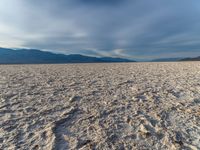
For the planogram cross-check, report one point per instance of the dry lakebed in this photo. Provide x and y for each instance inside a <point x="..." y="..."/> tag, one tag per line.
<point x="119" y="106"/>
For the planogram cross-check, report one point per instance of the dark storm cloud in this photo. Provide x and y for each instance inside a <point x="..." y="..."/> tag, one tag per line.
<point x="127" y="28"/>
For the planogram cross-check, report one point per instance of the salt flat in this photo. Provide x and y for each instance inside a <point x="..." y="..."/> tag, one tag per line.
<point x="100" y="106"/>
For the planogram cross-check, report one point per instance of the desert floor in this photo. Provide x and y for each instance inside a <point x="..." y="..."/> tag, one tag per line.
<point x="100" y="106"/>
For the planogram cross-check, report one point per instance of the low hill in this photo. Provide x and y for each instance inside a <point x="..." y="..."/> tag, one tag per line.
<point x="166" y="59"/>
<point x="191" y="59"/>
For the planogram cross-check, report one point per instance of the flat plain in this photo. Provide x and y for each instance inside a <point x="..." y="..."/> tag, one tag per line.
<point x="100" y="106"/>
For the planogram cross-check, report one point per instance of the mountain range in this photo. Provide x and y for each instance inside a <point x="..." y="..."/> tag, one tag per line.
<point x="33" y="56"/>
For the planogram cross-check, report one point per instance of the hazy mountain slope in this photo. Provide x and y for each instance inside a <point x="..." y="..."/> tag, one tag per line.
<point x="110" y="59"/>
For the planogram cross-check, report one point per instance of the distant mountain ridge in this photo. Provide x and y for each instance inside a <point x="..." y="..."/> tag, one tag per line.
<point x="166" y="59"/>
<point x="191" y="59"/>
<point x="33" y="56"/>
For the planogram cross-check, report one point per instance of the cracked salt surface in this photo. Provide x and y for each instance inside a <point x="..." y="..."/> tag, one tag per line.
<point x="100" y="106"/>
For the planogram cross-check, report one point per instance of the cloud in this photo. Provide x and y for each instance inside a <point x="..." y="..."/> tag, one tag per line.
<point x="129" y="28"/>
<point x="101" y="2"/>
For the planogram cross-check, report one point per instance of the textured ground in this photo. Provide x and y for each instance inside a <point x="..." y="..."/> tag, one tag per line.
<point x="100" y="106"/>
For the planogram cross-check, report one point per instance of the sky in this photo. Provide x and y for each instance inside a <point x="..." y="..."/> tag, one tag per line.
<point x="136" y="29"/>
